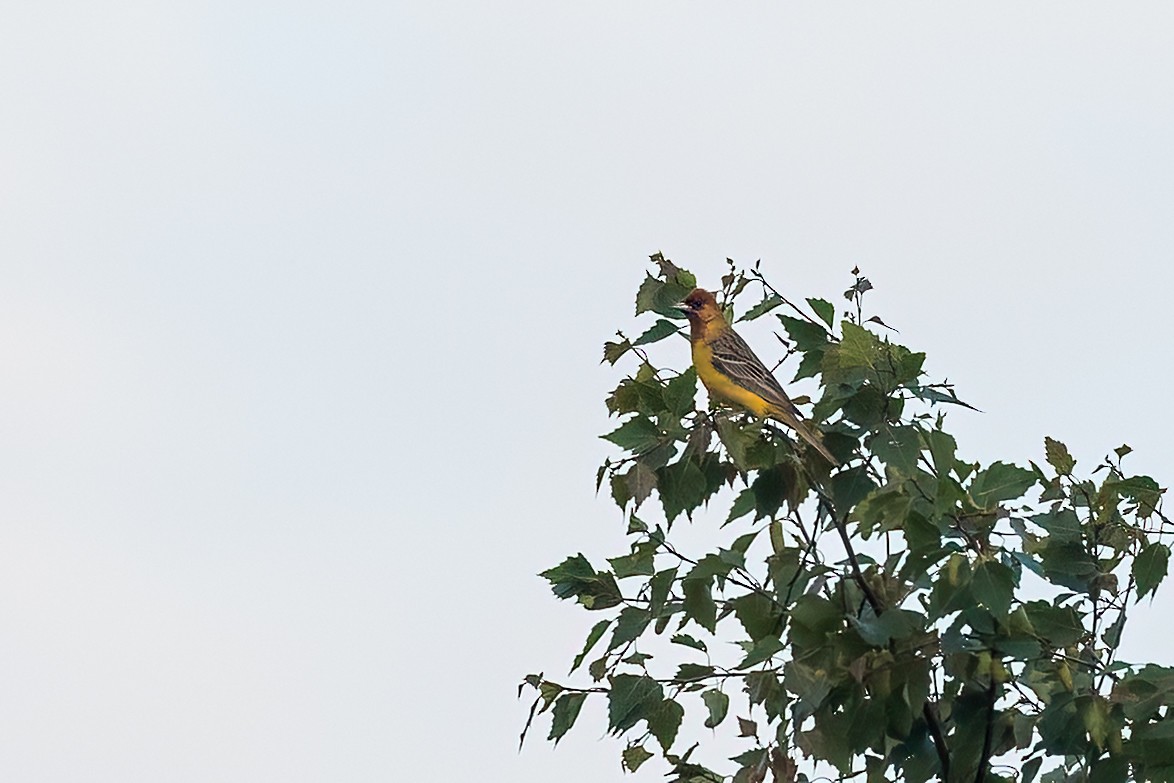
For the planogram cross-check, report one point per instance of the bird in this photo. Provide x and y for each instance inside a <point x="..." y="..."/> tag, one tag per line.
<point x="733" y="374"/>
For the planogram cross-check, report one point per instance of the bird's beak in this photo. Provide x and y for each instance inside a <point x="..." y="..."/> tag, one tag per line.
<point x="682" y="308"/>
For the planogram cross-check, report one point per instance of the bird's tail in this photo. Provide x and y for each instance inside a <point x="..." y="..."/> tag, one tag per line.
<point x="806" y="431"/>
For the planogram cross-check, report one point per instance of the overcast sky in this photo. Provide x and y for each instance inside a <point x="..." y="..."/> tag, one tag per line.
<point x="302" y="307"/>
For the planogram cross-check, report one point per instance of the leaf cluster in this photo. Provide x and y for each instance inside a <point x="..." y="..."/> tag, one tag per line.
<point x="909" y="615"/>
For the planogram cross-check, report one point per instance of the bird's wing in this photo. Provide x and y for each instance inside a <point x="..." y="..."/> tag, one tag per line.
<point x="733" y="358"/>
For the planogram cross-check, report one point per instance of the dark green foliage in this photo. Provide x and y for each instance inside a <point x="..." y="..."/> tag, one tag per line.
<point x="908" y="615"/>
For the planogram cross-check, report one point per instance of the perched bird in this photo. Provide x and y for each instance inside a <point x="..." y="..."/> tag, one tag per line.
<point x="733" y="374"/>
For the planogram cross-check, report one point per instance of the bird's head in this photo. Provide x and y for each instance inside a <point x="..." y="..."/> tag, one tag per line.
<point x="700" y="307"/>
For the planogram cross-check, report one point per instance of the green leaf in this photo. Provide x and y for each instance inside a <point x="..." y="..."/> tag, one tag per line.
<point x="1149" y="568"/>
<point x="624" y="398"/>
<point x="764" y="688"/>
<point x="718" y="705"/>
<point x="1141" y="695"/>
<point x="709" y="566"/>
<point x="810" y="365"/>
<point x="663" y="721"/>
<point x="634" y="756"/>
<point x="613" y="351"/>
<point x="850" y="487"/>
<point x="658" y="331"/>
<point x="810" y="685"/>
<point x="1058" y="626"/>
<point x="740" y="545"/>
<point x="941" y="447"/>
<point x="575" y="578"/>
<point x="758" y="614"/>
<point x="855" y="359"/>
<point x="869" y="407"/>
<point x="762" y="650"/>
<point x="620" y="492"/>
<point x="699" y="605"/>
<point x="633" y="620"/>
<point x="762" y="308"/>
<point x="1114" y="769"/>
<point x="682" y="488"/>
<point x="807" y="336"/>
<point x="688" y="641"/>
<point x="886" y="508"/>
<point x="1112" y="634"/>
<point x="1060" y="728"/>
<point x="661" y="296"/>
<point x="631" y="699"/>
<point x="647" y="294"/>
<point x="568" y="575"/>
<point x="755" y="758"/>
<point x="639" y="482"/>
<point x="592" y="639"/>
<point x="907" y="367"/>
<point x="891" y="624"/>
<point x="680" y="392"/>
<point x="824" y="309"/>
<point x="548" y="691"/>
<point x="813" y="618"/>
<point x="1094" y="713"/>
<point x="659" y="588"/>
<point x="770" y="491"/>
<point x="671" y="272"/>
<point x="1063" y="525"/>
<point x="637" y="434"/>
<point x="566" y="710"/>
<point x="694" y="671"/>
<point x="788" y="575"/>
<point x="1058" y="456"/>
<point x="934" y="396"/>
<point x="639" y="563"/>
<point x="951" y="588"/>
<point x="743" y="505"/>
<point x="1000" y="482"/>
<point x="898" y="447"/>
<point x="1029" y="562"/>
<point x="1143" y="490"/>
<point x="1068" y="564"/>
<point x="738" y="441"/>
<point x="993" y="584"/>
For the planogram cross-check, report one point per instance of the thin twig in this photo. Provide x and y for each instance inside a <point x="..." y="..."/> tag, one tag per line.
<point x="669" y="548"/>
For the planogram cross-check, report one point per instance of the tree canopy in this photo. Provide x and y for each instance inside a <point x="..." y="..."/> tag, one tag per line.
<point x="908" y="615"/>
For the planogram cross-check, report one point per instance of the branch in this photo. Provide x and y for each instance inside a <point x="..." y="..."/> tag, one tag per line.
<point x="754" y="273"/>
<point x="984" y="759"/>
<point x="723" y="674"/>
<point x="857" y="574"/>
<point x="931" y="718"/>
<point x="1112" y="651"/>
<point x="661" y="541"/>
<point x="939" y="740"/>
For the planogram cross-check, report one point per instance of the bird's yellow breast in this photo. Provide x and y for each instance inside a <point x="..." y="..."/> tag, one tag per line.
<point x="721" y="388"/>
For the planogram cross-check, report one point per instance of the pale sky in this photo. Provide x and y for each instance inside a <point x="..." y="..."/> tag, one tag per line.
<point x="303" y="304"/>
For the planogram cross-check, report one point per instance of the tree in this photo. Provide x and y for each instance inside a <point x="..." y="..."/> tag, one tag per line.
<point x="907" y="615"/>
